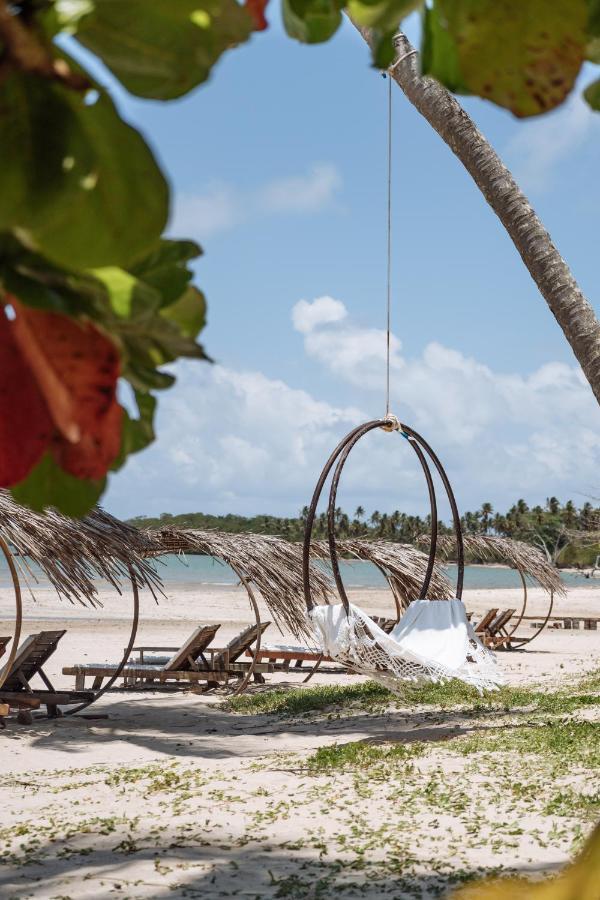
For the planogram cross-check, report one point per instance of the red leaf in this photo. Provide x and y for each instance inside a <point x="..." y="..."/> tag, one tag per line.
<point x="25" y="424"/>
<point x="70" y="371"/>
<point x="256" y="8"/>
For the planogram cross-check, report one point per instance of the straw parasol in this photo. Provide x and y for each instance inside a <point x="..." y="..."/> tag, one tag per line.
<point x="403" y="566"/>
<point x="272" y="565"/>
<point x="74" y="552"/>
<point x="528" y="561"/>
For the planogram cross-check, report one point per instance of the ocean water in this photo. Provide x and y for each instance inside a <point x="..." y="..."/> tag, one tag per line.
<point x="356" y="573"/>
<point x="176" y="570"/>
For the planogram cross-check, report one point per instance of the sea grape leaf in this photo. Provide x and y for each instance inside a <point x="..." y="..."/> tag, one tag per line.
<point x="256" y="8"/>
<point x="26" y="428"/>
<point x="522" y="56"/>
<point x="67" y="375"/>
<point x="159" y="49"/>
<point x="578" y="881"/>
<point x="77" y="183"/>
<point x="383" y="18"/>
<point x="592" y="94"/>
<point x="312" y="21"/>
<point x="165" y="268"/>
<point x="439" y="53"/>
<point x="48" y="486"/>
<point x="128" y="296"/>
<point x="138" y="432"/>
<point x="188" y="313"/>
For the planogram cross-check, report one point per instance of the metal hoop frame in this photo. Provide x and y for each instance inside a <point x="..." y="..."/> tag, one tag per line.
<point x="4" y="673"/>
<point x="339" y="456"/>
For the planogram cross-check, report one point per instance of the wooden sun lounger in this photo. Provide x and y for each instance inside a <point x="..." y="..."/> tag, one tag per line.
<point x="32" y="655"/>
<point x="493" y="627"/>
<point x="192" y="663"/>
<point x="4" y="642"/>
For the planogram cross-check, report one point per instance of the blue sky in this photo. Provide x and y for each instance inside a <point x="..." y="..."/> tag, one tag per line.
<point x="278" y="169"/>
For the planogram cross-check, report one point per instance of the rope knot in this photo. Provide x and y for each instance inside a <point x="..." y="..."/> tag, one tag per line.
<point x="392" y="423"/>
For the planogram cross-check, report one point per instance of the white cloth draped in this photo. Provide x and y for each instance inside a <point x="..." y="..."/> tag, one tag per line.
<point x="433" y="641"/>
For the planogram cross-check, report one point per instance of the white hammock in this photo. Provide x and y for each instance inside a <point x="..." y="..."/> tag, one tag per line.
<point x="432" y="642"/>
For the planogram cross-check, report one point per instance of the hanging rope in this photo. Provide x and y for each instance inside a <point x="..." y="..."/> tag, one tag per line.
<point x="389" y="248"/>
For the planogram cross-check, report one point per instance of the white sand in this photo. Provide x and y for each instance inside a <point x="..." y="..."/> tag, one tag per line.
<point x="88" y="830"/>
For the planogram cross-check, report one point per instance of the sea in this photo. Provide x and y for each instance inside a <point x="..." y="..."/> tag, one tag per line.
<point x="355" y="573"/>
<point x="178" y="570"/>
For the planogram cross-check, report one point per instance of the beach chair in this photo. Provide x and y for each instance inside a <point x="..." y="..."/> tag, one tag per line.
<point x="4" y="642"/>
<point x="494" y="632"/>
<point x="185" y="656"/>
<point x="32" y="655"/>
<point x="192" y="663"/>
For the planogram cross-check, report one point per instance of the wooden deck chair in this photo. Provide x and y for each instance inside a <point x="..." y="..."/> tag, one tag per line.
<point x="32" y="655"/>
<point x="188" y="656"/>
<point x="4" y="642"/>
<point x="496" y="633"/>
<point x="483" y="623"/>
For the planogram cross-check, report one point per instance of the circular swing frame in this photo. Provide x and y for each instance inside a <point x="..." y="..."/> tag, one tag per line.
<point x="339" y="458"/>
<point x="16" y="636"/>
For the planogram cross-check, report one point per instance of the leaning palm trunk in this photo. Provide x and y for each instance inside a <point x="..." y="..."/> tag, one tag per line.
<point x="546" y="266"/>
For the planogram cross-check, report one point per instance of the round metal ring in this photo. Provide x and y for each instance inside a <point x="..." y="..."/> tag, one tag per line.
<point x="4" y="673"/>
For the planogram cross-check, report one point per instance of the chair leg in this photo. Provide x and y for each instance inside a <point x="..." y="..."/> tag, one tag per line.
<point x="259" y="678"/>
<point x="80" y="682"/>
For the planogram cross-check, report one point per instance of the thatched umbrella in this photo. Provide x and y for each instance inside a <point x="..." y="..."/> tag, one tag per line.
<point x="403" y="566"/>
<point x="72" y="553"/>
<point x="270" y="564"/>
<point x="528" y="561"/>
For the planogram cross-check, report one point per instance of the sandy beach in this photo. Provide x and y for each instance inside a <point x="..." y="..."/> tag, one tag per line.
<point x="171" y="795"/>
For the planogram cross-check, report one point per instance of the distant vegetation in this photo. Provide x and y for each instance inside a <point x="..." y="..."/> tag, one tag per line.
<point x="566" y="534"/>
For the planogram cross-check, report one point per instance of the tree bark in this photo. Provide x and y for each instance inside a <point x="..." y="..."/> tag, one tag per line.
<point x="556" y="283"/>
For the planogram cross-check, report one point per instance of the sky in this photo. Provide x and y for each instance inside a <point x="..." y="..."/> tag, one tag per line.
<point x="278" y="169"/>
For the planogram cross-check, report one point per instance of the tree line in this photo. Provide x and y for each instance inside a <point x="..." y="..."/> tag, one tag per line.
<point x="565" y="533"/>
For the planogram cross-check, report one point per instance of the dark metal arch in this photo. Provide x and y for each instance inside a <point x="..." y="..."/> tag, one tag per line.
<point x="339" y="456"/>
<point x="4" y="673"/>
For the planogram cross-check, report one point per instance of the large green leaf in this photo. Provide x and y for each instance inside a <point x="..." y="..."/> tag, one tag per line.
<point x="383" y="18"/>
<point x="47" y="485"/>
<point x="524" y="56"/>
<point x="592" y="94"/>
<point x="312" y="21"/>
<point x="166" y="269"/>
<point x="188" y="313"/>
<point x="76" y="181"/>
<point x="439" y="53"/>
<point x="157" y="48"/>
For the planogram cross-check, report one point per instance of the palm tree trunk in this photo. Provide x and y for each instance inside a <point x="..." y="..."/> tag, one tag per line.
<point x="556" y="283"/>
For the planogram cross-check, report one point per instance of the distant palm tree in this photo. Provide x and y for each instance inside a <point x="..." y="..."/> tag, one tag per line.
<point x="375" y="518"/>
<point x="486" y="511"/>
<point x="359" y="514"/>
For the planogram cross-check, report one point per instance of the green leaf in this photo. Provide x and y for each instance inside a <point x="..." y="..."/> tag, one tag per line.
<point x="44" y="285"/>
<point x="383" y="18"/>
<point x="158" y="48"/>
<point x="188" y="313"/>
<point x="439" y="53"/>
<point x="47" y="485"/>
<point x="312" y="21"/>
<point x="522" y="56"/>
<point x="592" y="94"/>
<point x="165" y="268"/>
<point x="77" y="183"/>
<point x="128" y="296"/>
<point x="138" y="433"/>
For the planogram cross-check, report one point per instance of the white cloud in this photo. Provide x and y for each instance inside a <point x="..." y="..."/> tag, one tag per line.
<point x="322" y="311"/>
<point x="221" y="206"/>
<point x="539" y="146"/>
<point x="238" y="441"/>
<point x="302" y="193"/>
<point x="218" y="209"/>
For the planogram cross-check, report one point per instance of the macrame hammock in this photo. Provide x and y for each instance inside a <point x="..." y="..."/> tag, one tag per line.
<point x="433" y="641"/>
